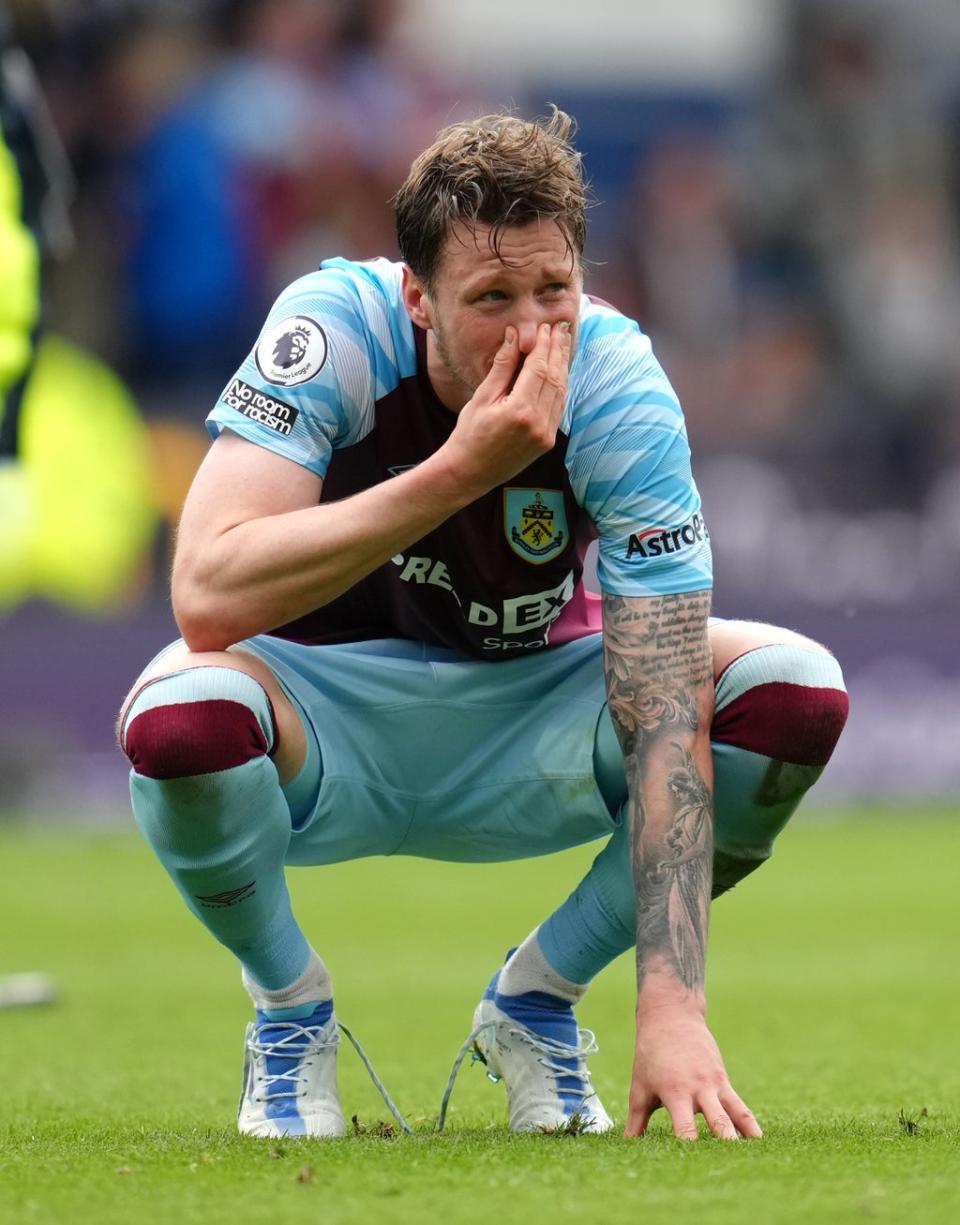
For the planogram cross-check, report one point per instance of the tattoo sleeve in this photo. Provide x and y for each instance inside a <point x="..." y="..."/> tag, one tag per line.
<point x="659" y="676"/>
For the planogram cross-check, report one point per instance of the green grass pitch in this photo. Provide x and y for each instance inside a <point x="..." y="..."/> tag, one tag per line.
<point x="834" y="990"/>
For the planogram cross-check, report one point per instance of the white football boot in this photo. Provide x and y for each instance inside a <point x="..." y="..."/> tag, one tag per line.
<point x="547" y="1082"/>
<point x="290" y="1079"/>
<point x="546" y="1077"/>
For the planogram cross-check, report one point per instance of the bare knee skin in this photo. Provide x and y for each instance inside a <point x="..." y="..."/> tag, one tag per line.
<point x="291" y="740"/>
<point x="731" y="639"/>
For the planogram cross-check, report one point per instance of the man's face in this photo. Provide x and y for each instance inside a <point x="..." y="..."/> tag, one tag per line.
<point x="476" y="295"/>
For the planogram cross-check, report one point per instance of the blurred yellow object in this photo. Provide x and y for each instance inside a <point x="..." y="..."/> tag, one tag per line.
<point x="77" y="507"/>
<point x="16" y="532"/>
<point x="20" y="263"/>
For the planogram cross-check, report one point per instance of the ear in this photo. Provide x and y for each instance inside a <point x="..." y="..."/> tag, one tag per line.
<point x="416" y="299"/>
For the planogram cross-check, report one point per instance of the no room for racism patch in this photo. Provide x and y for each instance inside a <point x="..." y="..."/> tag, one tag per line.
<point x="258" y="406"/>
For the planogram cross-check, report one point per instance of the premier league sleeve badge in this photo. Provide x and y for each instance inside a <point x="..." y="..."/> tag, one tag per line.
<point x="292" y="351"/>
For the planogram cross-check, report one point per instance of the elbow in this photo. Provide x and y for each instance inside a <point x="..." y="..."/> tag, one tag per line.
<point x="203" y="622"/>
<point x="202" y="637"/>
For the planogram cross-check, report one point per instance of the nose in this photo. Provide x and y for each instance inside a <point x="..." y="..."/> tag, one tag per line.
<point x="527" y="322"/>
<point x="528" y="316"/>
<point x="530" y="311"/>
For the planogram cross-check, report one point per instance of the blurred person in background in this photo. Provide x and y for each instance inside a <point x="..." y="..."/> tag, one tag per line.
<point x="241" y="137"/>
<point x="74" y="474"/>
<point x="796" y="262"/>
<point x="388" y="647"/>
<point x="844" y="208"/>
<point x="75" y="510"/>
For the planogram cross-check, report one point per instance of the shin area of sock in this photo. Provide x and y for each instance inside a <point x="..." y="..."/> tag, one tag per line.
<point x="207" y="798"/>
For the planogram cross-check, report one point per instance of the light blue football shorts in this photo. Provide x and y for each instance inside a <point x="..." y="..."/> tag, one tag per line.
<point x="426" y="752"/>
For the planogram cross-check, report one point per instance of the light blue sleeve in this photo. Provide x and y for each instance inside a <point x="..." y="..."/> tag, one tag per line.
<point x="334" y="343"/>
<point x="629" y="463"/>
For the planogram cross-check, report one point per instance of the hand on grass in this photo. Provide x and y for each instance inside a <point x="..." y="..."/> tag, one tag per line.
<point x="678" y="1065"/>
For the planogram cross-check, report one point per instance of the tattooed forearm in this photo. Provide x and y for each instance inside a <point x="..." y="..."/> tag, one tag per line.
<point x="673" y="879"/>
<point x="655" y="655"/>
<point x="660" y="690"/>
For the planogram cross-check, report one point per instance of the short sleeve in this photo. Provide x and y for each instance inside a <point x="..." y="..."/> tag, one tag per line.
<point x="330" y="347"/>
<point x="629" y="464"/>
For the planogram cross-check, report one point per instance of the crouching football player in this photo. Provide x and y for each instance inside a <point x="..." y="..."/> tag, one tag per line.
<point x="388" y="648"/>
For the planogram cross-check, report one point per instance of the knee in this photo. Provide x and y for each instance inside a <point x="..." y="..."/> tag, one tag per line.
<point x="784" y="700"/>
<point x="197" y="721"/>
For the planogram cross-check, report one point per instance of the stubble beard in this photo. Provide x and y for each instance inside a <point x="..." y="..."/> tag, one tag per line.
<point x="463" y="381"/>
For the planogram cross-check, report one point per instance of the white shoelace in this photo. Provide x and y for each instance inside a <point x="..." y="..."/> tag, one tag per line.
<point x="298" y="1044"/>
<point x="547" y="1052"/>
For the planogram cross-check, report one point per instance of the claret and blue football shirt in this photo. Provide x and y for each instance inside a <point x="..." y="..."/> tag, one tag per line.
<point x="337" y="382"/>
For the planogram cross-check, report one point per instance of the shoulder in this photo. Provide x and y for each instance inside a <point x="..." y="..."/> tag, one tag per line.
<point x="360" y="284"/>
<point x="604" y="326"/>
<point x="334" y="343"/>
<point x="613" y="356"/>
<point x="615" y="378"/>
<point x="347" y="311"/>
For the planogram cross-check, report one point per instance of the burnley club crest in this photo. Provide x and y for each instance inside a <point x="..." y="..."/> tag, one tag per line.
<point x="535" y="523"/>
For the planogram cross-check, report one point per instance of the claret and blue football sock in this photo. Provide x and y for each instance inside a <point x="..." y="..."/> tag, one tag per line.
<point x="778" y="716"/>
<point x="779" y="713"/>
<point x="208" y="799"/>
<point x="596" y="922"/>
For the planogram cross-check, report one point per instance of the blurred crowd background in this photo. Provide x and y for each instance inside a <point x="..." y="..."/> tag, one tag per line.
<point x="777" y="188"/>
